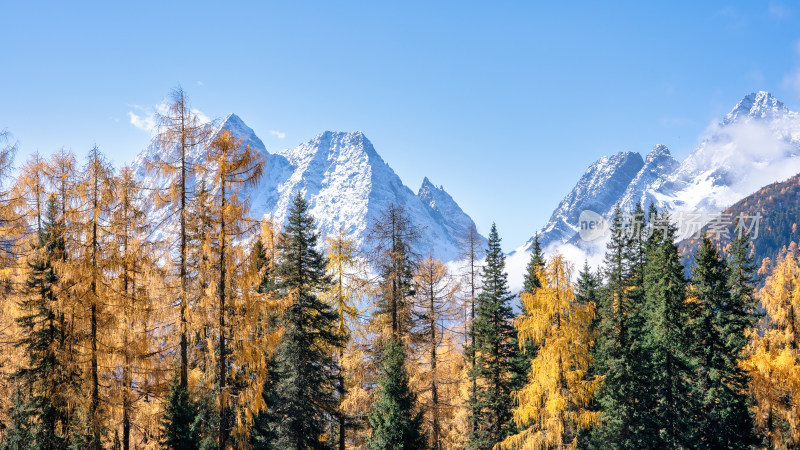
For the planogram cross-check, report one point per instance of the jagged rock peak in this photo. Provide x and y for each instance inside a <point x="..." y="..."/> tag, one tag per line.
<point x="759" y="105"/>
<point x="658" y="151"/>
<point x="427" y="188"/>
<point x="436" y="197"/>
<point x="241" y="130"/>
<point x="330" y="143"/>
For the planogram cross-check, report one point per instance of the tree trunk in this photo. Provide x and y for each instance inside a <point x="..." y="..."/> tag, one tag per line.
<point x="184" y="343"/>
<point x="223" y="427"/>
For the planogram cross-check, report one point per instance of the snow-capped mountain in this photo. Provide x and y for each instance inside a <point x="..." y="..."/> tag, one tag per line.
<point x="657" y="168"/>
<point x="756" y="144"/>
<point x="603" y="183"/>
<point x="445" y="210"/>
<point x="347" y="185"/>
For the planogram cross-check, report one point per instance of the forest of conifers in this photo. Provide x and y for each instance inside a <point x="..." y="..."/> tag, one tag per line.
<point x="209" y="329"/>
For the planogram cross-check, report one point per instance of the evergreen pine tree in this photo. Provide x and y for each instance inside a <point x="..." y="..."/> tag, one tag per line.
<point x="718" y="333"/>
<point x="587" y="286"/>
<point x="395" y="423"/>
<point x="18" y="434"/>
<point x="178" y="423"/>
<point x="46" y="380"/>
<point x="618" y="352"/>
<point x="669" y="364"/>
<point x="264" y="257"/>
<point x="261" y="435"/>
<point x="587" y="290"/>
<point x="303" y="396"/>
<point x="536" y="263"/>
<point x="530" y="283"/>
<point x="496" y="350"/>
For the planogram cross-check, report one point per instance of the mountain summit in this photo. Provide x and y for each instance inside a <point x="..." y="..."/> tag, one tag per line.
<point x="756" y="144"/>
<point x="758" y="105"/>
<point x="346" y="184"/>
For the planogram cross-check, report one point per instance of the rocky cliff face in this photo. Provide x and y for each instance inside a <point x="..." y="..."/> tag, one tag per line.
<point x="346" y="183"/>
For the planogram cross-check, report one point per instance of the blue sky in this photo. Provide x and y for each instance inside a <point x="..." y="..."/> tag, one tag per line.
<point x="503" y="103"/>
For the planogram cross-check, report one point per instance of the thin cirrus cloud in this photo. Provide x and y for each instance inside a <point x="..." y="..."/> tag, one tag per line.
<point x="277" y="134"/>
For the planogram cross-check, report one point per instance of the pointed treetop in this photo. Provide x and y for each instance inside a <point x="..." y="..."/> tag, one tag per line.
<point x="536" y="263"/>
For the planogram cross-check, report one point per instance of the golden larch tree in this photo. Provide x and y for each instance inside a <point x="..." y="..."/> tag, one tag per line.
<point x="346" y="271"/>
<point x="90" y="270"/>
<point x="230" y="168"/>
<point x="552" y="406"/>
<point x="180" y="134"/>
<point x="134" y="297"/>
<point x="432" y="370"/>
<point x="773" y="361"/>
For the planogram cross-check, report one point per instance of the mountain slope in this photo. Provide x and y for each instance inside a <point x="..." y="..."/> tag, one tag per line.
<point x="446" y="211"/>
<point x="756" y="143"/>
<point x="598" y="189"/>
<point x="346" y="183"/>
<point x="778" y="207"/>
<point x="658" y="166"/>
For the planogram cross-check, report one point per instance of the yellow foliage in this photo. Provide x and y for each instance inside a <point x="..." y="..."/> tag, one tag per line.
<point x="552" y="405"/>
<point x="773" y="361"/>
<point x="436" y="362"/>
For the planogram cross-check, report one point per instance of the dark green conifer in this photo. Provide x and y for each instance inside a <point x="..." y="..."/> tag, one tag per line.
<point x="497" y="368"/>
<point x="18" y="434"/>
<point x="721" y="313"/>
<point x="668" y="362"/>
<point x="47" y="382"/>
<point x="261" y="433"/>
<point x="536" y="263"/>
<point x="396" y="424"/>
<point x="303" y="396"/>
<point x="179" y="421"/>
<point x="618" y="350"/>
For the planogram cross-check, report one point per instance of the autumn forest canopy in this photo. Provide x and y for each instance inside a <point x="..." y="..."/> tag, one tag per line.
<point x="203" y="327"/>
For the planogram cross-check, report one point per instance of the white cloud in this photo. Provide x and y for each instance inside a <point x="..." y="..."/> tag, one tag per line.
<point x="202" y="117"/>
<point x="199" y="83"/>
<point x="278" y="134"/>
<point x="145" y="122"/>
<point x="751" y="154"/>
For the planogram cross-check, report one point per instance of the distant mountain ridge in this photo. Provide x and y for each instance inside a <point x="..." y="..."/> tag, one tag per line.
<point x="346" y="183"/>
<point x="756" y="143"/>
<point x="777" y="207"/>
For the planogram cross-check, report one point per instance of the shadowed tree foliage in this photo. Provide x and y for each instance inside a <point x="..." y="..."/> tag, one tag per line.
<point x="302" y="395"/>
<point x="396" y="424"/>
<point x="497" y="370"/>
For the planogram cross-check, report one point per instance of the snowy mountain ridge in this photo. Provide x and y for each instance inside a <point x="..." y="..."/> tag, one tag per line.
<point x="345" y="182"/>
<point x="755" y="144"/>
